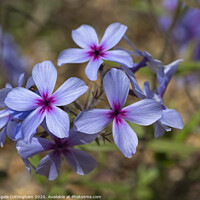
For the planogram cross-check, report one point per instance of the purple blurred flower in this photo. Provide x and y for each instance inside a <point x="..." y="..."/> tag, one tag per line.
<point x="45" y="104"/>
<point x="144" y="112"/>
<point x="170" y="4"/>
<point x="13" y="63"/>
<point x="169" y="117"/>
<point x="49" y="166"/>
<point x="85" y="36"/>
<point x="187" y="28"/>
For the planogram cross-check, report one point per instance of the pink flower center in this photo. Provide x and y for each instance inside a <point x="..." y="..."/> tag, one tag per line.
<point x="46" y="103"/>
<point x="96" y="51"/>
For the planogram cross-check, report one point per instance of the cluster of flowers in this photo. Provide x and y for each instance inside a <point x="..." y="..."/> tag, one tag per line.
<point x="25" y="109"/>
<point x="187" y="27"/>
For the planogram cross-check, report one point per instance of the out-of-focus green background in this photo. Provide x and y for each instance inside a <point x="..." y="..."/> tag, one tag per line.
<point x="162" y="169"/>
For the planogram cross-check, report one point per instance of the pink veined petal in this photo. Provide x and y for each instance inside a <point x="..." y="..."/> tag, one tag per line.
<point x="124" y="137"/>
<point x="92" y="68"/>
<point x="116" y="87"/>
<point x="113" y="35"/>
<point x="85" y="36"/>
<point x="58" y="122"/>
<point x="92" y="121"/>
<point x="69" y="91"/>
<point x="44" y="75"/>
<point x="172" y="118"/>
<point x="119" y="56"/>
<point x="81" y="162"/>
<point x="22" y="99"/>
<point x="73" y="55"/>
<point x="49" y="166"/>
<point x="144" y="112"/>
<point x="31" y="123"/>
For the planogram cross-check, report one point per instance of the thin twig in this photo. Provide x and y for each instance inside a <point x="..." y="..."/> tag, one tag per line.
<point x="168" y="33"/>
<point x="78" y="105"/>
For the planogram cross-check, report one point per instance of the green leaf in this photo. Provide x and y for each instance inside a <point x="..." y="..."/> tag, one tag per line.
<point x="186" y="67"/>
<point x="194" y="121"/>
<point x="102" y="148"/>
<point x="143" y="193"/>
<point x="137" y="128"/>
<point x="55" y="190"/>
<point x="111" y="63"/>
<point x="171" y="147"/>
<point x="146" y="176"/>
<point x="116" y="187"/>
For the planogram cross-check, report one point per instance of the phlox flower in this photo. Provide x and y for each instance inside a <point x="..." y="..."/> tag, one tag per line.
<point x="144" y="112"/>
<point x="169" y="117"/>
<point x="49" y="166"/>
<point x="11" y="120"/>
<point x="45" y="104"/>
<point x="85" y="36"/>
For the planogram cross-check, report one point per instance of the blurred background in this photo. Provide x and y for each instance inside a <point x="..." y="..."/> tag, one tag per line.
<point x="165" y="168"/>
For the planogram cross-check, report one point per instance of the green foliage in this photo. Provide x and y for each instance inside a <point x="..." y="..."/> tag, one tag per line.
<point x="143" y="190"/>
<point x="169" y="146"/>
<point x="194" y="121"/>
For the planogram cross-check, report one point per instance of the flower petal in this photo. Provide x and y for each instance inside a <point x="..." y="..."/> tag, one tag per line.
<point x="28" y="165"/>
<point x="92" y="121"/>
<point x="81" y="162"/>
<point x="49" y="166"/>
<point x="2" y="137"/>
<point x="78" y="138"/>
<point x="73" y="55"/>
<point x="37" y="145"/>
<point x="4" y="117"/>
<point x="158" y="130"/>
<point x="124" y="137"/>
<point x="144" y="112"/>
<point x="134" y="83"/>
<point x="118" y="56"/>
<point x="22" y="99"/>
<point x="30" y="82"/>
<point x="116" y="87"/>
<point x="31" y="123"/>
<point x="165" y="74"/>
<point x="85" y="36"/>
<point x="21" y="79"/>
<point x="172" y="118"/>
<point x="58" y="122"/>
<point x="13" y="130"/>
<point x="92" y="68"/>
<point x="44" y="75"/>
<point x="3" y="94"/>
<point x="69" y="91"/>
<point x="148" y="93"/>
<point x="113" y="35"/>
